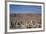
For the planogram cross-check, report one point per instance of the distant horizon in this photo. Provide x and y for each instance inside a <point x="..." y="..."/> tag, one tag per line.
<point x="24" y="13"/>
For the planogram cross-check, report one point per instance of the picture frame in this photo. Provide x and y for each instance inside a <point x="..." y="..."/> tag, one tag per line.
<point x="29" y="4"/>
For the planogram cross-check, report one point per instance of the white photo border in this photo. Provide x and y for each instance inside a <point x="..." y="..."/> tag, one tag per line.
<point x="21" y="30"/>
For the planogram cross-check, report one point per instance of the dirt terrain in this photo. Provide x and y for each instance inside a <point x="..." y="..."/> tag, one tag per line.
<point x="23" y="21"/>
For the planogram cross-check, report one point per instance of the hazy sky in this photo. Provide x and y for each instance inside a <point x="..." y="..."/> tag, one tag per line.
<point x="25" y="9"/>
